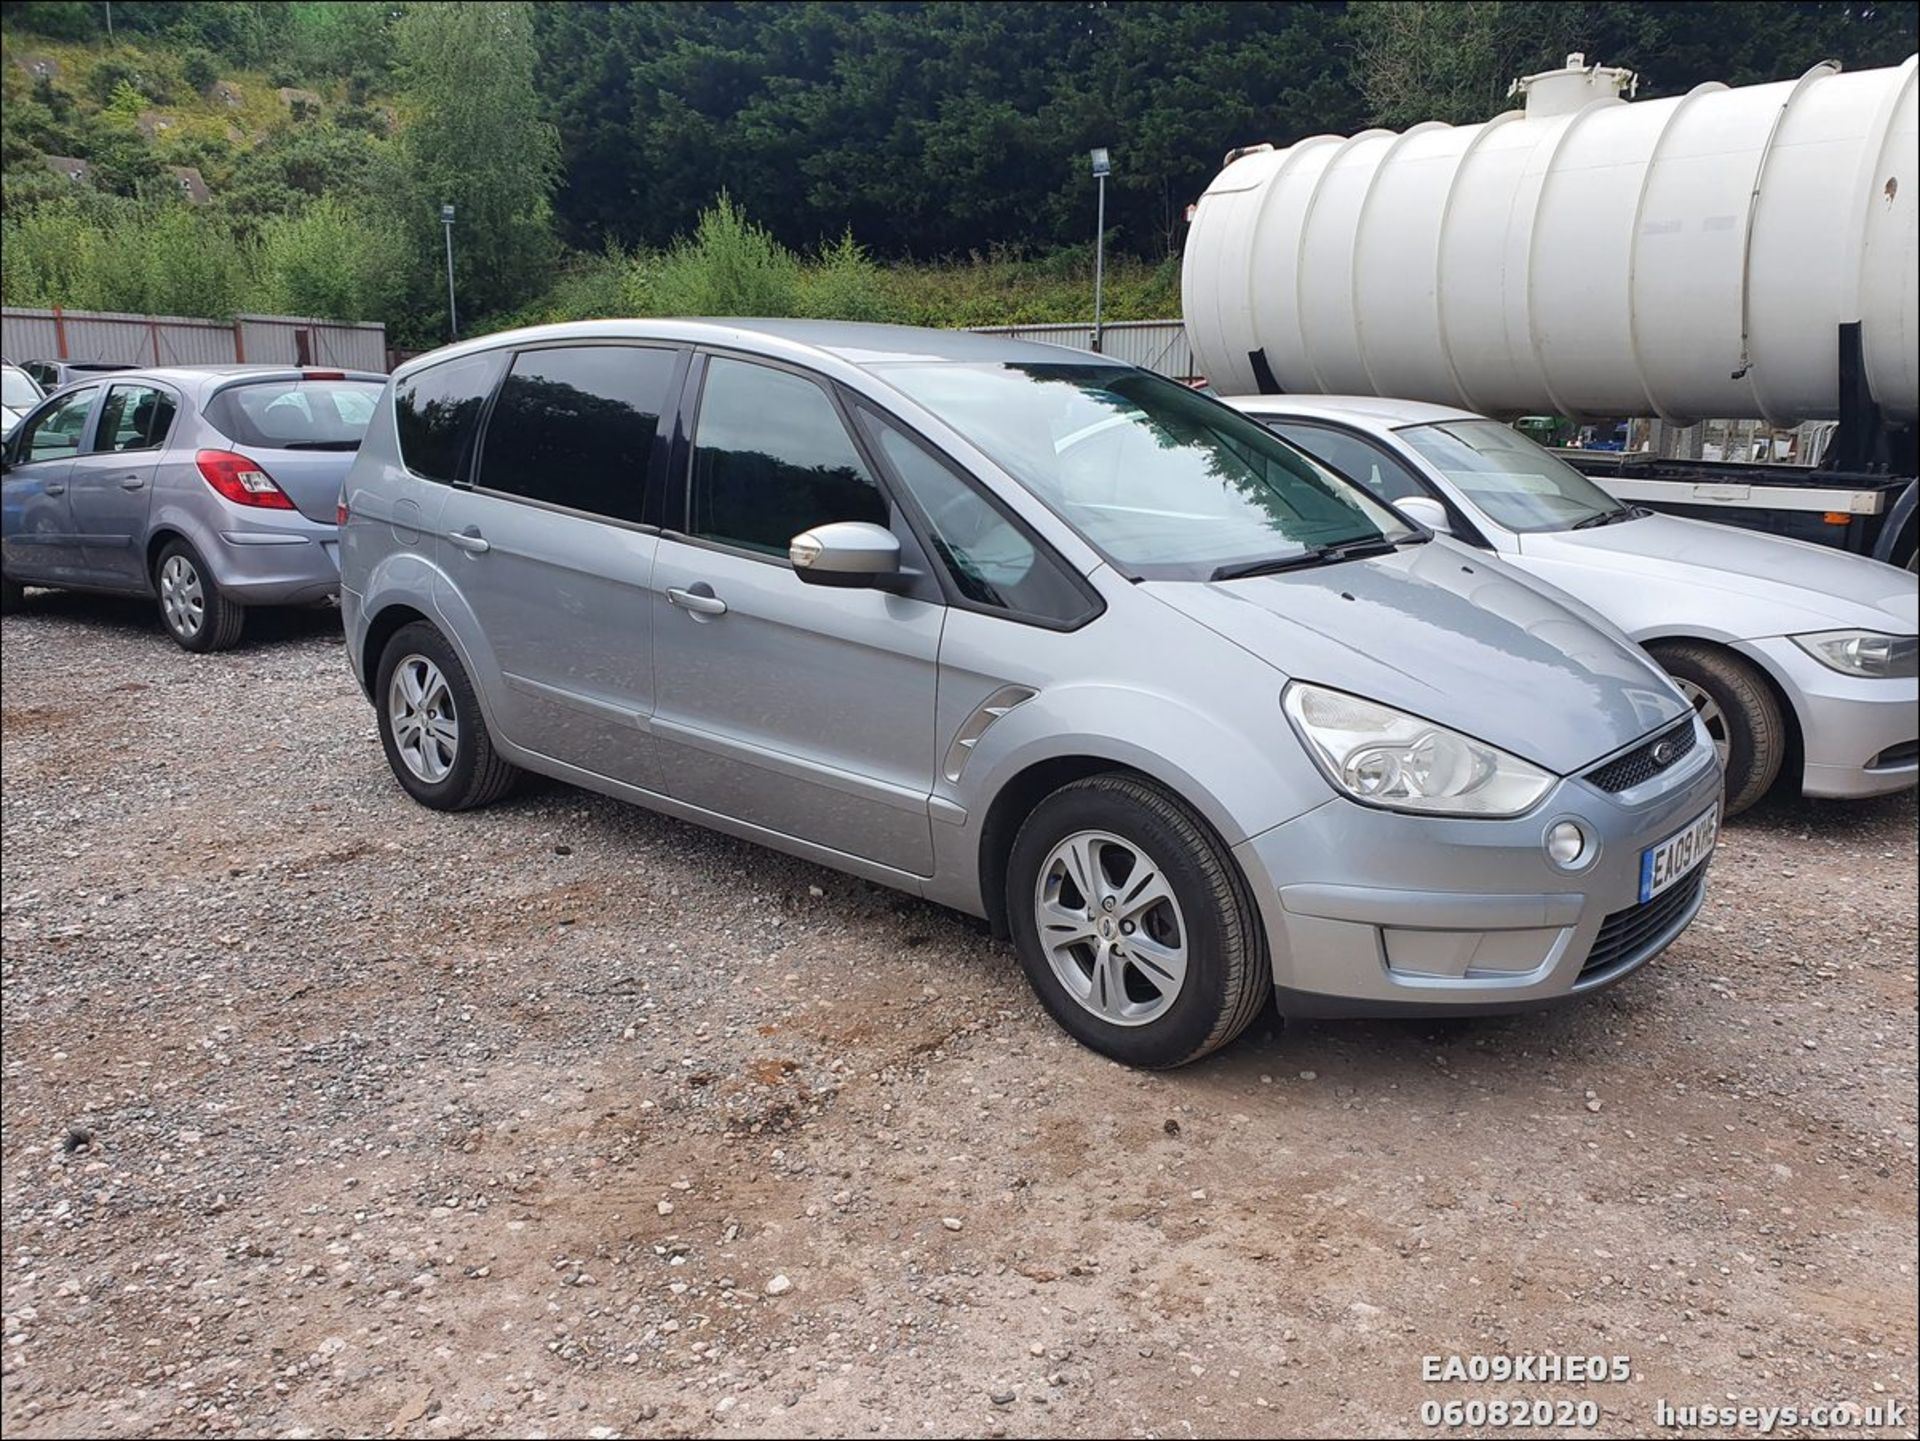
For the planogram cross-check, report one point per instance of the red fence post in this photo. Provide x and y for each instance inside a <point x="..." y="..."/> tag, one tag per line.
<point x="239" y="344"/>
<point x="59" y="334"/>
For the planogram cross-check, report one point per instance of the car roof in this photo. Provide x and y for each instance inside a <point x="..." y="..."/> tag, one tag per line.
<point x="189" y="377"/>
<point x="854" y="342"/>
<point x="1373" y="411"/>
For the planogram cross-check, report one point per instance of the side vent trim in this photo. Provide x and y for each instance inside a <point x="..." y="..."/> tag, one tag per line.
<point x="977" y="724"/>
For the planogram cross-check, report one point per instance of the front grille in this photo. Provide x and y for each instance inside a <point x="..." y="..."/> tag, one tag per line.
<point x="1625" y="772"/>
<point x="1625" y="935"/>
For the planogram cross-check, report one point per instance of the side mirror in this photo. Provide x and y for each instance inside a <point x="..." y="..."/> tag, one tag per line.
<point x="845" y="553"/>
<point x="1428" y="511"/>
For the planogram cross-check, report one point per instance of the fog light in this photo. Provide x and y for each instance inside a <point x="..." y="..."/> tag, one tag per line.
<point x="1567" y="845"/>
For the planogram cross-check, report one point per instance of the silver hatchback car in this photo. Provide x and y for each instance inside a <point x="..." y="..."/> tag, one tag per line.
<point x="210" y="488"/>
<point x="1036" y="635"/>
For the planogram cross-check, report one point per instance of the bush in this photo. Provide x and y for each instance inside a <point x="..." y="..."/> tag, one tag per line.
<point x="730" y="267"/>
<point x="845" y="284"/>
<point x="99" y="253"/>
<point x="332" y="259"/>
<point x="113" y="77"/>
<point x="200" y="68"/>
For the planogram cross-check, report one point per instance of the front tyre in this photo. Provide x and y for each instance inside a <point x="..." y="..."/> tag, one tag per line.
<point x="13" y="595"/>
<point x="196" y="612"/>
<point x="431" y="728"/>
<point x="1133" y="923"/>
<point x="1739" y="711"/>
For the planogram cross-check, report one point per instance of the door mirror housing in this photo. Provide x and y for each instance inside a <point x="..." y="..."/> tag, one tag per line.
<point x="1428" y="511"/>
<point x="845" y="553"/>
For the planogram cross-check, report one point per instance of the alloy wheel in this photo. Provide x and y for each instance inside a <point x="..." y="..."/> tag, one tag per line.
<point x="1708" y="709"/>
<point x="1111" y="928"/>
<point x="422" y="718"/>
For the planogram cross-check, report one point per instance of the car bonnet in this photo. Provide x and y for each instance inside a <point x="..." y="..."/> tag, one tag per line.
<point x="1442" y="633"/>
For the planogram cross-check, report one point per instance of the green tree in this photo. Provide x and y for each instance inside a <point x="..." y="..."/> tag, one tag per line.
<point x="474" y="138"/>
<point x="1453" y="59"/>
<point x="332" y="259"/>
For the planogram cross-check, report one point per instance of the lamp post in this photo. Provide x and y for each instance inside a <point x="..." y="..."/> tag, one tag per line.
<point x="453" y="316"/>
<point x="1101" y="166"/>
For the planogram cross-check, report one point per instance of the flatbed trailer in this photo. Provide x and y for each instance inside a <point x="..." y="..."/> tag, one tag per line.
<point x="1869" y="513"/>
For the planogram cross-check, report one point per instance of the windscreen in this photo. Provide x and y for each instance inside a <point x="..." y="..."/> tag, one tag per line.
<point x="1166" y="483"/>
<point x="1518" y="484"/>
<point x="296" y="414"/>
<point x="17" y="390"/>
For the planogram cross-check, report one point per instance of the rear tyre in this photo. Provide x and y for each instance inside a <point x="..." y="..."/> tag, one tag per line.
<point x="431" y="727"/>
<point x="192" y="607"/>
<point x="1740" y="713"/>
<point x="12" y="595"/>
<point x="1133" y="923"/>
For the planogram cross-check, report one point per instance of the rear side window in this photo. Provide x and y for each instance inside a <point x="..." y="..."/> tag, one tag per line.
<point x="771" y="459"/>
<point x="135" y="417"/>
<point x="575" y="427"/>
<point x="295" y="414"/>
<point x="437" y="413"/>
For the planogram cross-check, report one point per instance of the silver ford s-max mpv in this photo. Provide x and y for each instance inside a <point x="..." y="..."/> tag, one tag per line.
<point x="1036" y="635"/>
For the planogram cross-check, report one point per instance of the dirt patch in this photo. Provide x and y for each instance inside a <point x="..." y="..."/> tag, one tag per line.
<point x="324" y="1114"/>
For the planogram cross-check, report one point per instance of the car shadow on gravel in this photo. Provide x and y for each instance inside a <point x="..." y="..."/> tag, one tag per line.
<point x="266" y="625"/>
<point x="1782" y="810"/>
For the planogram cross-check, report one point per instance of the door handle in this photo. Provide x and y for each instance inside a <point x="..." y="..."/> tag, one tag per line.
<point x="132" y="482"/>
<point x="696" y="602"/>
<point x="470" y="540"/>
<point x="56" y="487"/>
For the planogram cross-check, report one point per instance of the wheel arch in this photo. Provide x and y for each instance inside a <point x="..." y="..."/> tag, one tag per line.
<point x="382" y="628"/>
<point x="1017" y="797"/>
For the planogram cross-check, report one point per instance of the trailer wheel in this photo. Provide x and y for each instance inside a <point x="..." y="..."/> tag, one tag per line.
<point x="1740" y="713"/>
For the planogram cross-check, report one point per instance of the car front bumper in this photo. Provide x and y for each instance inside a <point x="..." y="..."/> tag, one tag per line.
<point x="1858" y="733"/>
<point x="1378" y="913"/>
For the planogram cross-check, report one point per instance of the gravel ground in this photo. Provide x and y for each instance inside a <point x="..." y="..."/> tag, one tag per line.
<point x="327" y="1115"/>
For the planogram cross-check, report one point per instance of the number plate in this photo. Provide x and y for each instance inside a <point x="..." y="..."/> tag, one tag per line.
<point x="1662" y="865"/>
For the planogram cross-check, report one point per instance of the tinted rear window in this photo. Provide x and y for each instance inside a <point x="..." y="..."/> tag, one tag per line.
<point x="575" y="426"/>
<point x="296" y="414"/>
<point x="437" y="410"/>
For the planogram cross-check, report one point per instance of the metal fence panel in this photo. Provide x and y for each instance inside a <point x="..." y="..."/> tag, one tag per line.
<point x="1151" y="344"/>
<point x="26" y="334"/>
<point x="31" y="334"/>
<point x="277" y="339"/>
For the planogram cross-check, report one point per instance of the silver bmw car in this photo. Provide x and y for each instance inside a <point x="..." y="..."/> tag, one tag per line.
<point x="1802" y="661"/>
<point x="212" y="489"/>
<point x="1033" y="634"/>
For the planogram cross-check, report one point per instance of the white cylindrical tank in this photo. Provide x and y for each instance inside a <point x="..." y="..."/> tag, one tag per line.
<point x="1588" y="256"/>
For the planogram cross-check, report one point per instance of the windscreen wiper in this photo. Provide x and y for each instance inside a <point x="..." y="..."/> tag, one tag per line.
<point x="1312" y="556"/>
<point x="321" y="445"/>
<point x="1611" y="517"/>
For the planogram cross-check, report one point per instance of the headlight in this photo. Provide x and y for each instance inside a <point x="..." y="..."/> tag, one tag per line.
<point x="1387" y="758"/>
<point x="1864" y="652"/>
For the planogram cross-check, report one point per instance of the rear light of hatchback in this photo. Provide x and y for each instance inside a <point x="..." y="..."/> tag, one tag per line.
<point x="240" y="480"/>
<point x="340" y="510"/>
